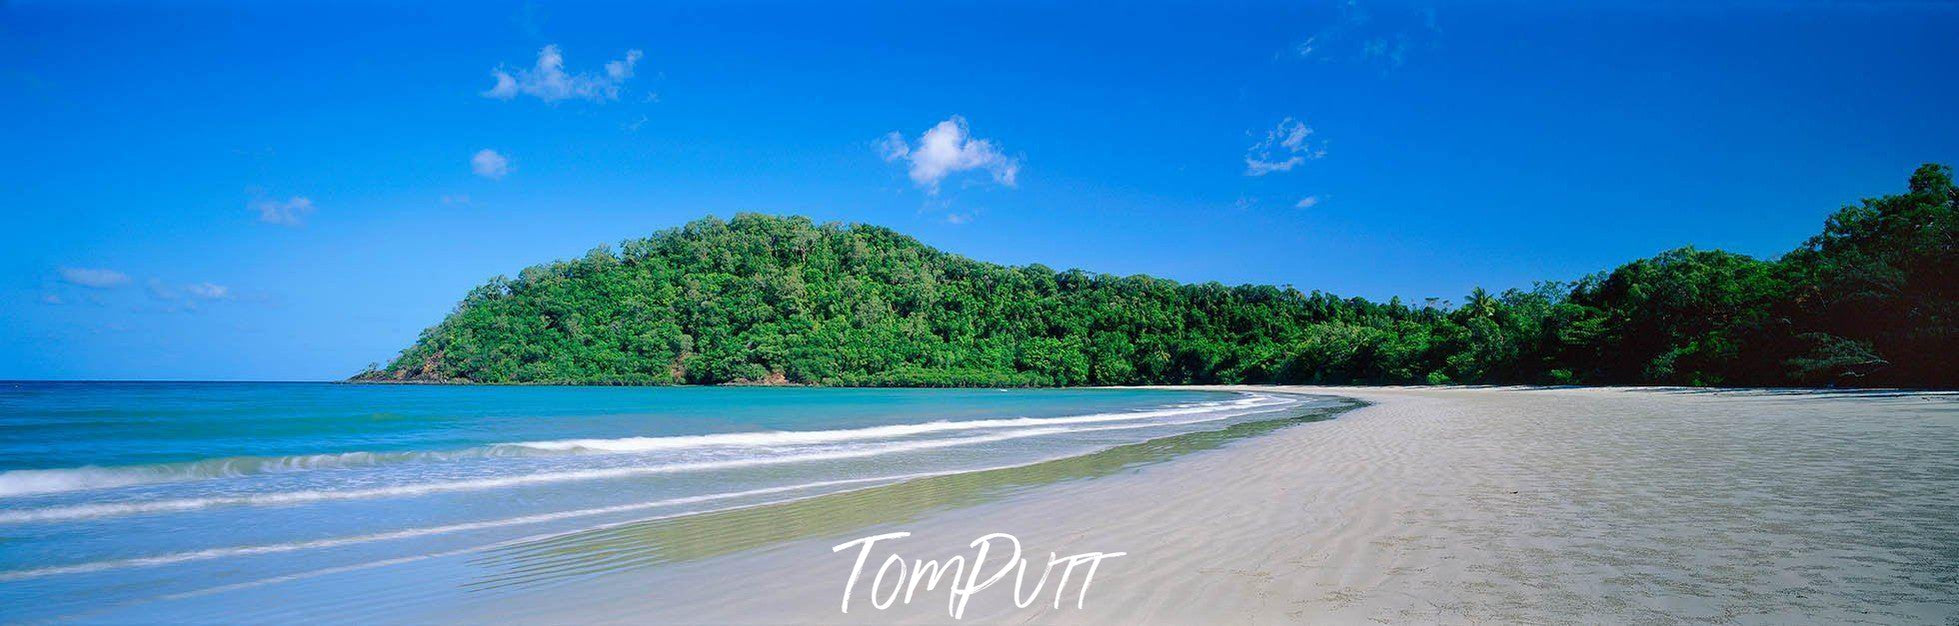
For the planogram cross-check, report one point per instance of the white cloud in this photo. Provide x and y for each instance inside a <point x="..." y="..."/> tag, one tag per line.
<point x="488" y="164"/>
<point x="892" y="147"/>
<point x="289" y="212"/>
<point x="183" y="298"/>
<point x="461" y="199"/>
<point x="208" y="291"/>
<point x="93" y="278"/>
<point x="548" y="81"/>
<point x="160" y="290"/>
<point x="945" y="149"/>
<point x="1306" y="48"/>
<point x="1283" y="148"/>
<point x="1357" y="34"/>
<point x="1393" y="52"/>
<point x="1307" y="202"/>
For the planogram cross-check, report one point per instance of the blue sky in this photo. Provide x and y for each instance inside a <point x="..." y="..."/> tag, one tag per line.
<point x="291" y="191"/>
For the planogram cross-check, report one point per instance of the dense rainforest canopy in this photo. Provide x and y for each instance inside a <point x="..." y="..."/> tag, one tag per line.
<point x="1871" y="301"/>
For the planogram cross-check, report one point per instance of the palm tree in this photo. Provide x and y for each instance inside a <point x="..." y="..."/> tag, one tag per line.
<point x="1481" y="303"/>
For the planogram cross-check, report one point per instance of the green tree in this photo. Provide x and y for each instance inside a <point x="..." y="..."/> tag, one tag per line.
<point x="1871" y="300"/>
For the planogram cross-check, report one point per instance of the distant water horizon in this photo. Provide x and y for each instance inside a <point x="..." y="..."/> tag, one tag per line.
<point x="114" y="493"/>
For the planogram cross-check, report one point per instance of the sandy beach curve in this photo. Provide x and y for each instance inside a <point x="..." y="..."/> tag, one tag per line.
<point x="1433" y="505"/>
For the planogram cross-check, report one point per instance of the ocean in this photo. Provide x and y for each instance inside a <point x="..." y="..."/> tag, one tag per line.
<point x="120" y="500"/>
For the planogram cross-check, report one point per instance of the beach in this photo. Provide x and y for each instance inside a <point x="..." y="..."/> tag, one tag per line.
<point x="1187" y="505"/>
<point x="1430" y="505"/>
<point x="268" y="502"/>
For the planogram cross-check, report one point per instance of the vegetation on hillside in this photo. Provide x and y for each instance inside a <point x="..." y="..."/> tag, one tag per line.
<point x="1871" y="301"/>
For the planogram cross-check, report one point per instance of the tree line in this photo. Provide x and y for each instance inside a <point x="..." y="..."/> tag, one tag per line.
<point x="1870" y="301"/>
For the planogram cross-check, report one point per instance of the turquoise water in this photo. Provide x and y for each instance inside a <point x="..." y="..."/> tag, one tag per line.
<point x="113" y="495"/>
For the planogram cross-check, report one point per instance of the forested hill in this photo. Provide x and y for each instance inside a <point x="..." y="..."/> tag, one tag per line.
<point x="760" y="299"/>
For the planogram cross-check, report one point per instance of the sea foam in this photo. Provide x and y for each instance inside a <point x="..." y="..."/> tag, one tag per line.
<point x="28" y="482"/>
<point x="113" y="509"/>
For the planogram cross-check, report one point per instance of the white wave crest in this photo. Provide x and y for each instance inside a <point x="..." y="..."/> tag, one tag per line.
<point x="41" y="481"/>
<point x="806" y="437"/>
<point x="217" y="553"/>
<point x="115" y="509"/>
<point x="110" y="509"/>
<point x="29" y="482"/>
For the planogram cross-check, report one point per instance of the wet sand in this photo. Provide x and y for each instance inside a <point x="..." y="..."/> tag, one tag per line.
<point x="1453" y="505"/>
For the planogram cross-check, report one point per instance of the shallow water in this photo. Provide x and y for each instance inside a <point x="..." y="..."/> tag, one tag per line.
<point x="116" y="494"/>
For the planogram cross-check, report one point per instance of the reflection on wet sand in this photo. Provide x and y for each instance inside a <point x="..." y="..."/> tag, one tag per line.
<point x="652" y="542"/>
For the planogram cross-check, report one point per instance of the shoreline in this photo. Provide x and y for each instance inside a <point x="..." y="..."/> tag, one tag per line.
<point x="851" y="510"/>
<point x="1190" y="387"/>
<point x="444" y="543"/>
<point x="1413" y="505"/>
<point x="1453" y="505"/>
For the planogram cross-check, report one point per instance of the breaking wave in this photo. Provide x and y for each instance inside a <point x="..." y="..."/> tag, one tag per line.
<point x="27" y="482"/>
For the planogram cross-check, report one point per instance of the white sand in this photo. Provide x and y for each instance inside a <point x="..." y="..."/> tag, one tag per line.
<point x="1438" y="505"/>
